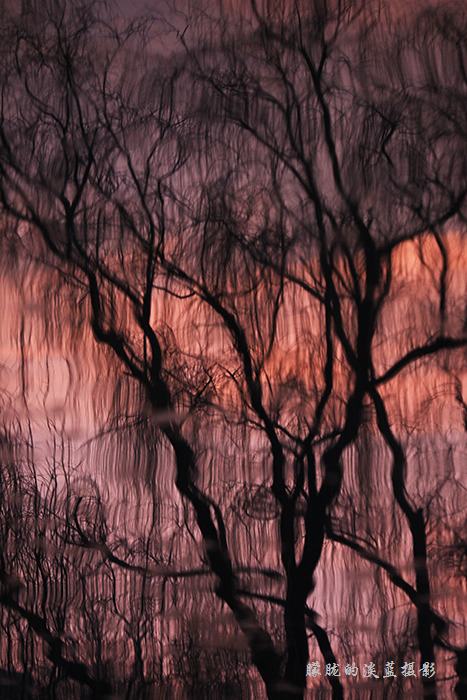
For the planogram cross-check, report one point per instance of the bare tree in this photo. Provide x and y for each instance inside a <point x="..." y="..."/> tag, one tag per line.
<point x="244" y="219"/>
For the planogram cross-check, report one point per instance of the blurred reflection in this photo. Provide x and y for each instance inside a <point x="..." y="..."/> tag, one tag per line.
<point x="233" y="385"/>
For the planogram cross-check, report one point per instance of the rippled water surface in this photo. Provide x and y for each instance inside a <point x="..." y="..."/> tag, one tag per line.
<point x="233" y="386"/>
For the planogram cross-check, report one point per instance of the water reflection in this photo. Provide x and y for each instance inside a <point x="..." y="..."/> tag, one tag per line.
<point x="109" y="591"/>
<point x="233" y="375"/>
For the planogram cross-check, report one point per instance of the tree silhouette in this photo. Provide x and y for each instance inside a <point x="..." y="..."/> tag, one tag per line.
<point x="264" y="225"/>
